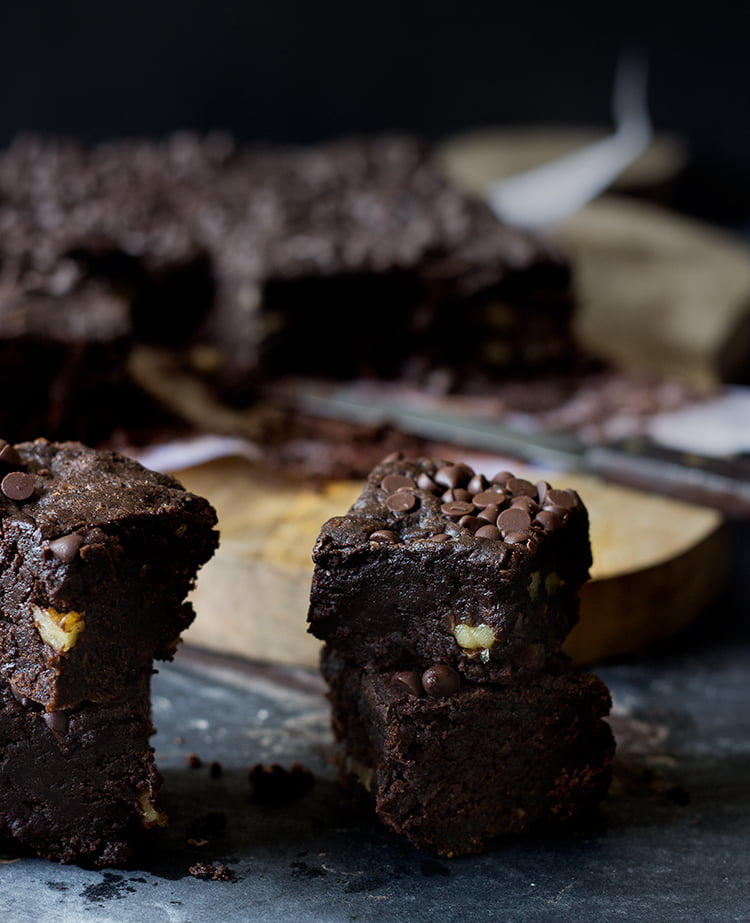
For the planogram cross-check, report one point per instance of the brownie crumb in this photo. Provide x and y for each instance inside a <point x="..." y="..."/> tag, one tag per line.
<point x="275" y="785"/>
<point x="215" y="769"/>
<point x="193" y="761"/>
<point x="207" y="872"/>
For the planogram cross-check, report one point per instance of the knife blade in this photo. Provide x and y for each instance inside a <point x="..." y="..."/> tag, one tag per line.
<point x="716" y="482"/>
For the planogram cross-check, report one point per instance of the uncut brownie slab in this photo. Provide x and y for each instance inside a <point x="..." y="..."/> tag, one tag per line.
<point x="78" y="785"/>
<point x="456" y="767"/>
<point x="241" y="256"/>
<point x="97" y="555"/>
<point x="434" y="563"/>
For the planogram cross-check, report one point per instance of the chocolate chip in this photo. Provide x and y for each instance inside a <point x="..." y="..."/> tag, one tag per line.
<point x="568" y="499"/>
<point x="401" y="502"/>
<point x="393" y="457"/>
<point x="549" y="520"/>
<point x="516" y="538"/>
<point x="520" y="487"/>
<point x="392" y="482"/>
<point x="488" y="531"/>
<point x="9" y="456"/>
<point x="489" y="514"/>
<point x="66" y="547"/>
<point x="558" y="511"/>
<point x="440" y="681"/>
<point x="409" y="680"/>
<point x="459" y="493"/>
<point x="385" y="536"/>
<point x="488" y="498"/>
<point x="439" y="537"/>
<point x="525" y="503"/>
<point x="541" y="489"/>
<point x="18" y="485"/>
<point x="457" y="508"/>
<point x="454" y="475"/>
<point x="477" y="484"/>
<point x="425" y="482"/>
<point x="215" y="769"/>
<point x="56" y="721"/>
<point x="193" y="761"/>
<point x="513" y="519"/>
<point x="502" y="477"/>
<point x="472" y="523"/>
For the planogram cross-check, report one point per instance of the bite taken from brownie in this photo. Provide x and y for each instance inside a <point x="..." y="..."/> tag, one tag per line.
<point x="437" y="564"/>
<point x="97" y="556"/>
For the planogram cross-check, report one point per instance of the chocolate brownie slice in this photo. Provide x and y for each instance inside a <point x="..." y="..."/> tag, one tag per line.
<point x="79" y="785"/>
<point x="97" y="556"/>
<point x="435" y="563"/>
<point x="452" y="765"/>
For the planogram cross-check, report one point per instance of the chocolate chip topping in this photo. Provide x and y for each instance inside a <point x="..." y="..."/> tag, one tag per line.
<point x="502" y="478"/>
<point x="488" y="497"/>
<point x="402" y="501"/>
<point x="385" y="536"/>
<point x="514" y="519"/>
<point x="549" y="520"/>
<point x="392" y="482"/>
<point x="425" y="482"/>
<point x="440" y="537"/>
<point x="477" y="484"/>
<point x="440" y="681"/>
<point x="489" y="513"/>
<point x="453" y="475"/>
<point x="409" y="680"/>
<point x="9" y="456"/>
<point x="457" y="508"/>
<point x="567" y="499"/>
<point x="488" y="531"/>
<point x="66" y="547"/>
<point x="18" y="485"/>
<point x="520" y="487"/>
<point x="472" y="523"/>
<point x="509" y="505"/>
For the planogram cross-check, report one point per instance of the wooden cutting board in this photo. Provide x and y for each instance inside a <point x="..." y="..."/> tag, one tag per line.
<point x="657" y="563"/>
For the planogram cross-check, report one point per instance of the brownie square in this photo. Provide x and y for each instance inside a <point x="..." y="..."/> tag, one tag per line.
<point x="457" y="768"/>
<point x="436" y="564"/>
<point x="79" y="785"/>
<point x="97" y="555"/>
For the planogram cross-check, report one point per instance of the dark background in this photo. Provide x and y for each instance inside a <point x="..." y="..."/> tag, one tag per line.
<point x="292" y="70"/>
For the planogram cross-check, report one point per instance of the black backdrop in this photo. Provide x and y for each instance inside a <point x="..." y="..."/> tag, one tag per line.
<point x="299" y="70"/>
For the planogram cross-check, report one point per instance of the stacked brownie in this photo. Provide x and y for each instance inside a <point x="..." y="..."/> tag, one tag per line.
<point x="97" y="555"/>
<point x="444" y="598"/>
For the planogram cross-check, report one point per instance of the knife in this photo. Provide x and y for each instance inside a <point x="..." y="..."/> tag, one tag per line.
<point x="722" y="483"/>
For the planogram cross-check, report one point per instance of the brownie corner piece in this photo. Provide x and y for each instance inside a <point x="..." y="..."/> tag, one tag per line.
<point x="437" y="563"/>
<point x="98" y="554"/>
<point x="455" y="771"/>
